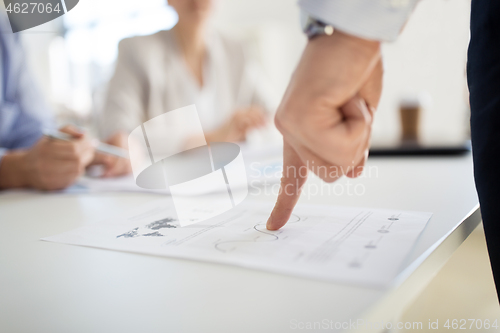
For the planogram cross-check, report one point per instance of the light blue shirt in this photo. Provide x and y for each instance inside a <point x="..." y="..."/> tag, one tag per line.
<point x="23" y="111"/>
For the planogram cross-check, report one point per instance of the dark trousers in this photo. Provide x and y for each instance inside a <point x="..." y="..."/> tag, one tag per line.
<point x="483" y="75"/>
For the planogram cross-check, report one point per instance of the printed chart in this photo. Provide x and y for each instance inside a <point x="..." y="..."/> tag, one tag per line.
<point x="350" y="245"/>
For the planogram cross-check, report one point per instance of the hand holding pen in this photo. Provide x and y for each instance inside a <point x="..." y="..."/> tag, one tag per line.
<point x="49" y="164"/>
<point x="113" y="156"/>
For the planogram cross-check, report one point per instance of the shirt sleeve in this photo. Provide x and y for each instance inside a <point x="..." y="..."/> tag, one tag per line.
<point x="24" y="113"/>
<point x="33" y="114"/>
<point x="380" y="20"/>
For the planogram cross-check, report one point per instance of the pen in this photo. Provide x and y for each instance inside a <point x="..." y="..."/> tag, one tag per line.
<point x="99" y="146"/>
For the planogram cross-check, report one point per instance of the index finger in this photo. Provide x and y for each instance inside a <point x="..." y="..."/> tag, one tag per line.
<point x="294" y="177"/>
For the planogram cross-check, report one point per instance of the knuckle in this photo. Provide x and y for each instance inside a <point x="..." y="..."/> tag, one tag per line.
<point x="278" y="122"/>
<point x="285" y="122"/>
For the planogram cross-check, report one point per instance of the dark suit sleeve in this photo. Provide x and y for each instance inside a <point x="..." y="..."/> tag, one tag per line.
<point x="483" y="73"/>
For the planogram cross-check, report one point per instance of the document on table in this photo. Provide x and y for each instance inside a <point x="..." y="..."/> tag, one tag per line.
<point x="359" y="246"/>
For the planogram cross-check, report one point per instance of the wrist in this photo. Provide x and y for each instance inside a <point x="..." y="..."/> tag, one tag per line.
<point x="364" y="45"/>
<point x="13" y="172"/>
<point x="326" y="55"/>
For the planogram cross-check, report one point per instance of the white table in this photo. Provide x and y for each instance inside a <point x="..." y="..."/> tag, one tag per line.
<point x="49" y="287"/>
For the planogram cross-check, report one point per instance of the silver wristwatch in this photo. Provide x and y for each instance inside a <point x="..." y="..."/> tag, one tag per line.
<point x="313" y="28"/>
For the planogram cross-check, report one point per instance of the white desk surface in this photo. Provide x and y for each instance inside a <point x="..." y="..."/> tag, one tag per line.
<point x="49" y="287"/>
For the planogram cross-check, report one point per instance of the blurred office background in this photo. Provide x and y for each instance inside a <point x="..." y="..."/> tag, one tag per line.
<point x="73" y="57"/>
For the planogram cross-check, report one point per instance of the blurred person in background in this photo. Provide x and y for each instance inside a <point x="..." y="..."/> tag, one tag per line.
<point x="27" y="158"/>
<point x="190" y="64"/>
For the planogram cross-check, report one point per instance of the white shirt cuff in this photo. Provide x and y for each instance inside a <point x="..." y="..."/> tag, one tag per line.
<point x="380" y="20"/>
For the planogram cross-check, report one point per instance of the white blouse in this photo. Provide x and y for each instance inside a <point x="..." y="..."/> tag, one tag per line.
<point x="151" y="78"/>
